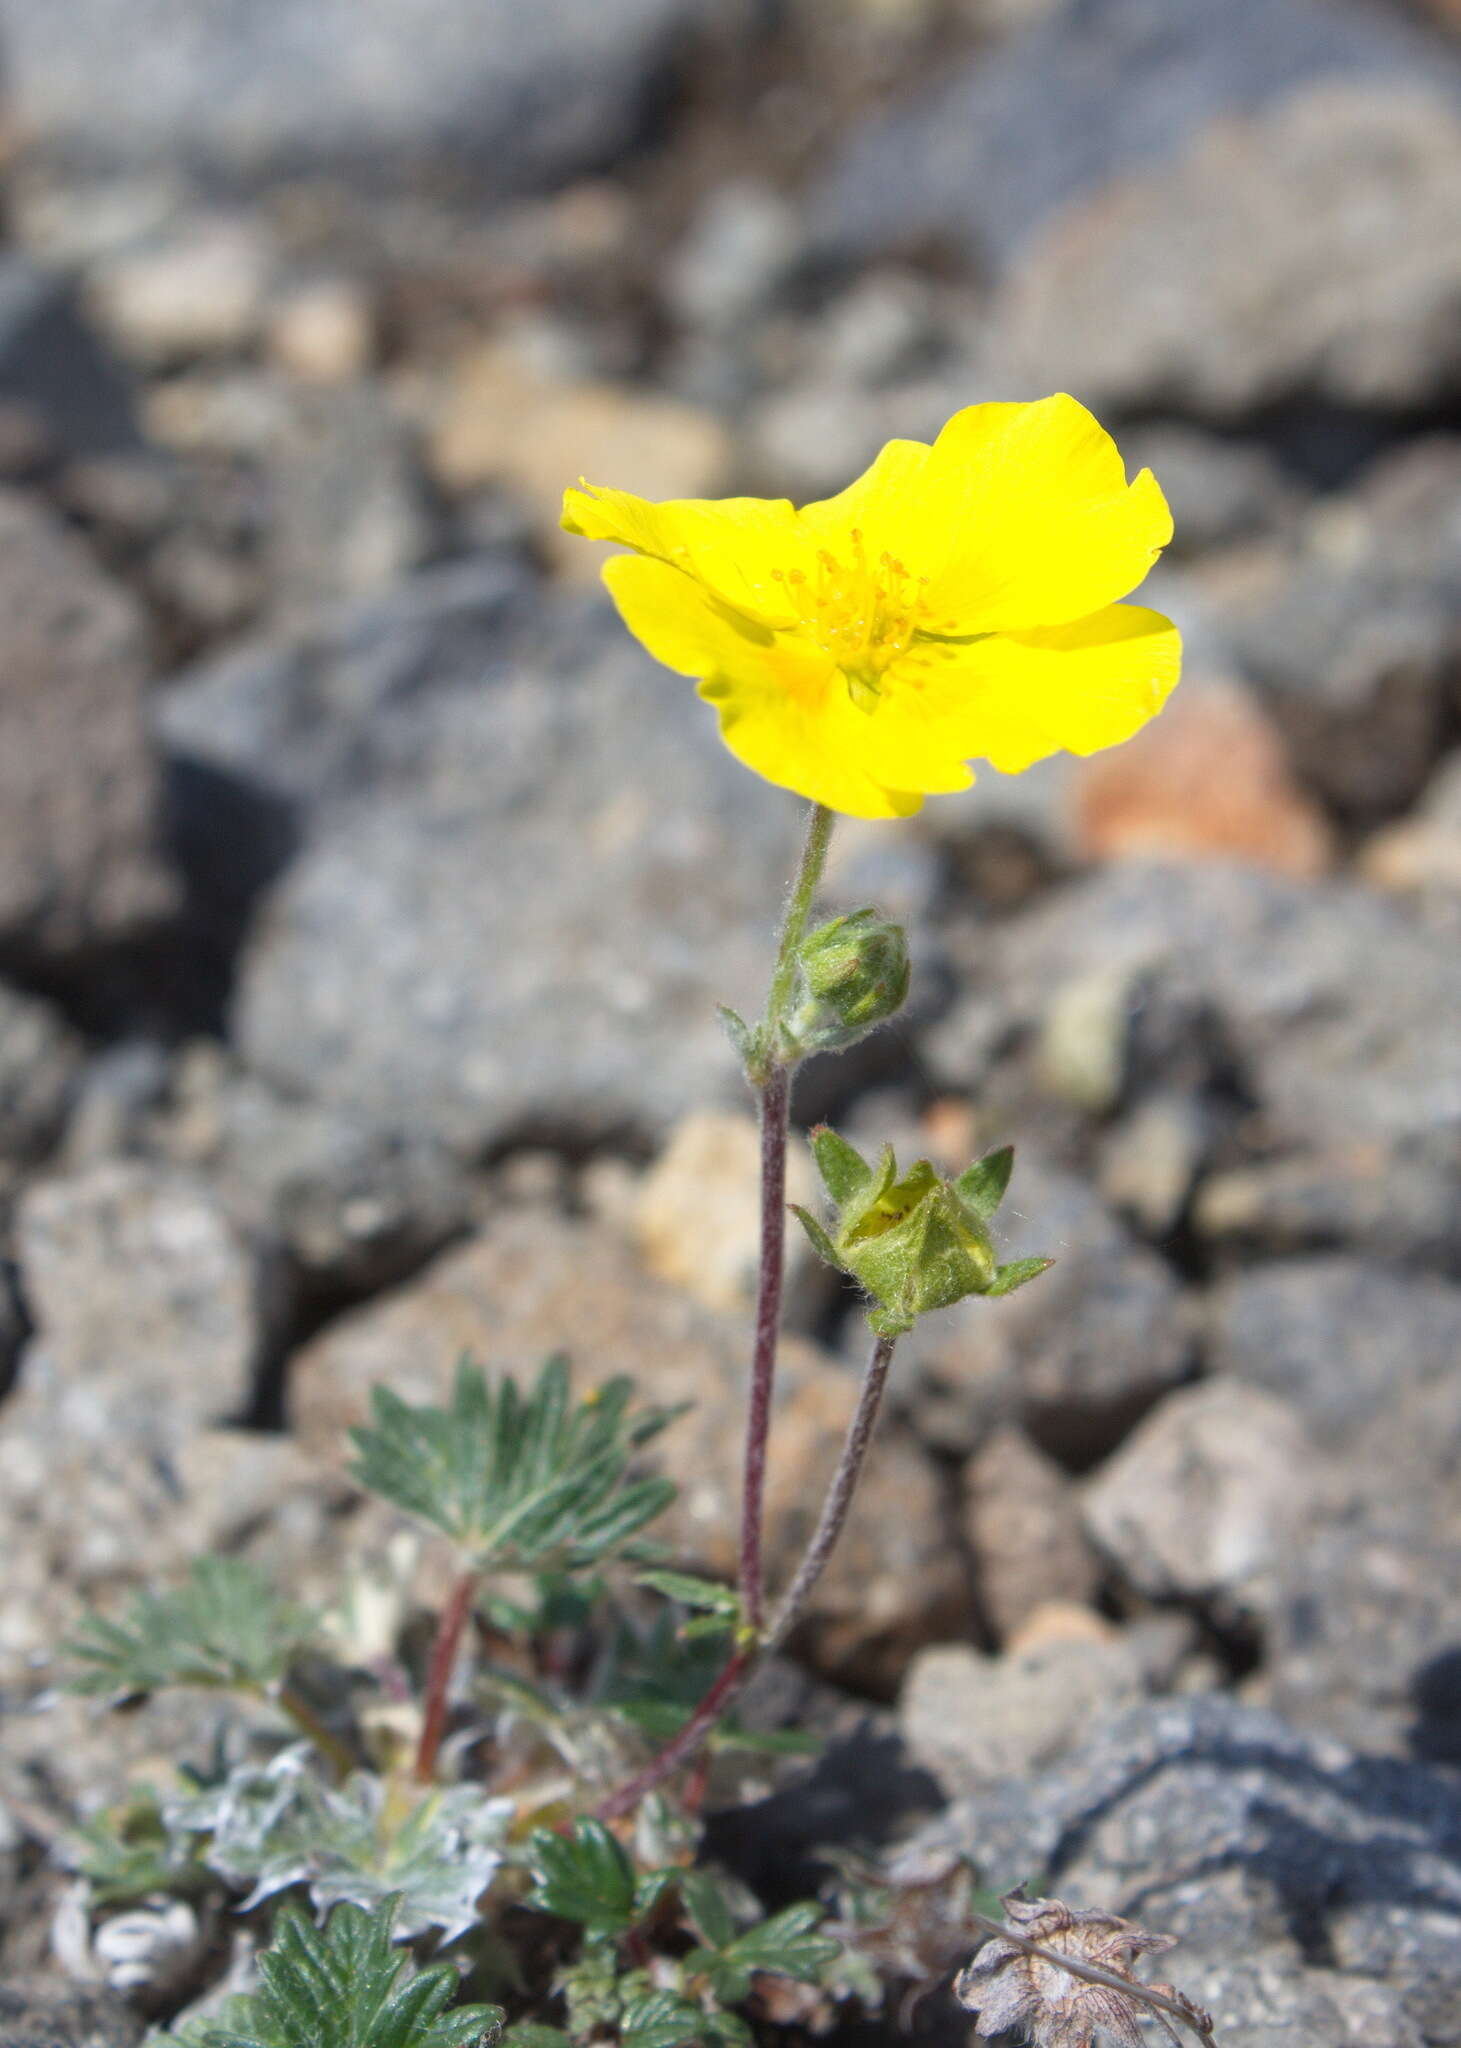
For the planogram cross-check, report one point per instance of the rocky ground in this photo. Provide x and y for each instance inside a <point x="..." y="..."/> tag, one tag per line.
<point x="364" y="893"/>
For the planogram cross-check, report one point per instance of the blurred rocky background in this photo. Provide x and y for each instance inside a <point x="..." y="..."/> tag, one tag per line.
<point x="364" y="891"/>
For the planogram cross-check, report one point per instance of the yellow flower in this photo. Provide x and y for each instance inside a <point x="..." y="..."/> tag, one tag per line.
<point x="956" y="603"/>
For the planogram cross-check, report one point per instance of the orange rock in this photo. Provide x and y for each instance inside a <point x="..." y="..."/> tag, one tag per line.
<point x="1207" y="778"/>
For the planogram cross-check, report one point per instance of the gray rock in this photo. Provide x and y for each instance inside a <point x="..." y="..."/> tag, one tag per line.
<point x="1204" y="1498"/>
<point x="147" y="1307"/>
<point x="1337" y="1060"/>
<point x="1390" y="1203"/>
<point x="1099" y="89"/>
<point x="1022" y="1524"/>
<point x="1363" y="1632"/>
<point x="1300" y="252"/>
<point x="738" y="249"/>
<point x="513" y="100"/>
<point x="40" y="1059"/>
<point x="1220" y="490"/>
<point x="476" y="945"/>
<point x="354" y="1209"/>
<point x="1341" y="1339"/>
<point x="1077" y="1355"/>
<point x="1226" y="1826"/>
<point x="1354" y="640"/>
<point x="348" y="510"/>
<point x="70" y="2019"/>
<point x="974" y="1720"/>
<point x="53" y="366"/>
<point x="78" y="803"/>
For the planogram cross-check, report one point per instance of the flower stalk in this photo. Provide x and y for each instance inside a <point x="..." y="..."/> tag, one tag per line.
<point x="451" y="1626"/>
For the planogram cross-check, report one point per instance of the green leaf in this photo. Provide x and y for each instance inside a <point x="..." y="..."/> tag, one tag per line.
<point x="662" y="2019"/>
<point x="130" y="1851"/>
<point x="707" y="1595"/>
<point x="983" y="1185"/>
<point x="519" y="1480"/>
<point x="226" y="1627"/>
<point x="530" y="2034"/>
<point x="585" y="1876"/>
<point x="708" y="1908"/>
<point x="844" y="1171"/>
<point x="345" y="1986"/>
<point x="787" y="1945"/>
<point x="1017" y="1274"/>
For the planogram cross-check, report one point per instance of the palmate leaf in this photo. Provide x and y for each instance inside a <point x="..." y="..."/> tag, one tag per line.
<point x="225" y="1627"/>
<point x="269" y="1827"/>
<point x="786" y="1945"/>
<point x="518" y="1480"/>
<point x="586" y="1876"/>
<point x="341" y="1986"/>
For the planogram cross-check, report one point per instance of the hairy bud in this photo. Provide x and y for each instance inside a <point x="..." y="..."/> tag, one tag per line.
<point x="852" y="975"/>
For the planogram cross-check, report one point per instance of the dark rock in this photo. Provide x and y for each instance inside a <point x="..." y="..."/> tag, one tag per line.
<point x="1355" y="640"/>
<point x="510" y="101"/>
<point x="72" y="2019"/>
<point x="1226" y="1826"/>
<point x="79" y="864"/>
<point x="1099" y="89"/>
<point x="1342" y="1339"/>
<point x="53" y="366"/>
<point x="40" y="1060"/>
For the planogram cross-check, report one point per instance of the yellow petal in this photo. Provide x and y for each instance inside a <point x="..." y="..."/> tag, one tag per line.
<point x="784" y="711"/>
<point x="1014" y="698"/>
<point x="1026" y="519"/>
<point x="881" y="504"/>
<point x="1077" y="688"/>
<point x="799" y="739"/>
<point x="737" y="547"/>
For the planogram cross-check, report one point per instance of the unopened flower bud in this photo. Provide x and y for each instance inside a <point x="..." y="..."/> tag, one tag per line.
<point x="915" y="1242"/>
<point x="852" y="974"/>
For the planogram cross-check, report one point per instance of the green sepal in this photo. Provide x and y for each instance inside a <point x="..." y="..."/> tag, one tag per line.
<point x="845" y="1173"/>
<point x="744" y="1041"/>
<point x="1018" y="1273"/>
<point x="822" y="1245"/>
<point x="983" y="1184"/>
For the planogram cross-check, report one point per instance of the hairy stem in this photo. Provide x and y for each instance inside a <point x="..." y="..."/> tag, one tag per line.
<point x="335" y="1750"/>
<point x="772" y="1076"/>
<point x="680" y="1748"/>
<point x="449" y="1629"/>
<point x="839" y="1495"/>
<point x="1131" y="1987"/>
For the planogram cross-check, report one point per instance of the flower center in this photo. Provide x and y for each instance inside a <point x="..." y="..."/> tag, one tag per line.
<point x="863" y="614"/>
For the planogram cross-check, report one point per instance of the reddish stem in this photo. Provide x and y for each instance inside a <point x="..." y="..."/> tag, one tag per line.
<point x="775" y="1110"/>
<point x="684" y="1745"/>
<point x="444" y="1650"/>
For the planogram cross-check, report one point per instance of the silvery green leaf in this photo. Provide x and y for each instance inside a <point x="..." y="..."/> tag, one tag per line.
<point x="225" y="1626"/>
<point x="520" y="1480"/>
